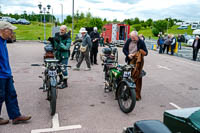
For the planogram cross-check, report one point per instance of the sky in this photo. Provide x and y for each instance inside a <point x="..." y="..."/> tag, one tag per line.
<point x="187" y="10"/>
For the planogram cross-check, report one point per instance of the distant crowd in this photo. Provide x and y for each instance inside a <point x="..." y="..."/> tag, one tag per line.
<point x="167" y="41"/>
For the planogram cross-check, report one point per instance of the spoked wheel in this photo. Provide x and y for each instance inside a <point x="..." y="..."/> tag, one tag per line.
<point x="77" y="56"/>
<point x="126" y="98"/>
<point x="53" y="97"/>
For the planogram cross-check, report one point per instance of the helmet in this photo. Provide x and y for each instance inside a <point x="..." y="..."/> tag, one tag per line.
<point x="106" y="51"/>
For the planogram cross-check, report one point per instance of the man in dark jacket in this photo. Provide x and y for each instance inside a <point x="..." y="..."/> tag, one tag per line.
<point x="62" y="52"/>
<point x="7" y="89"/>
<point x="196" y="46"/>
<point x="133" y="47"/>
<point x="94" y="35"/>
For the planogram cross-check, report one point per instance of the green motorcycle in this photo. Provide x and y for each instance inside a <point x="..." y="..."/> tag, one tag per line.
<point x="118" y="80"/>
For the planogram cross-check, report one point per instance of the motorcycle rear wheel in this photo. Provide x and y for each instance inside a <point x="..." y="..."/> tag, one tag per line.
<point x="124" y="96"/>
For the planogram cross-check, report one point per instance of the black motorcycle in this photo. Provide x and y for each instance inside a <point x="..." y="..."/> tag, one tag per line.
<point x="52" y="67"/>
<point x="76" y="51"/>
<point x="118" y="80"/>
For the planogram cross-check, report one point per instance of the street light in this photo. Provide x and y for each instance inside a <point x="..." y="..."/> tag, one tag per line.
<point x="72" y="19"/>
<point x="44" y="11"/>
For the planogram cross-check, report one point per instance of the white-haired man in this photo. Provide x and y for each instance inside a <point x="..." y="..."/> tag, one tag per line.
<point x="7" y="89"/>
<point x="133" y="47"/>
<point x="62" y="45"/>
<point x="94" y="35"/>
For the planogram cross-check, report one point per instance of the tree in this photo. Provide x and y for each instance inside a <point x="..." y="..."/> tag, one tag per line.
<point x="159" y="26"/>
<point x="68" y="20"/>
<point x="136" y="21"/>
<point x="137" y="27"/>
<point x="149" y="22"/>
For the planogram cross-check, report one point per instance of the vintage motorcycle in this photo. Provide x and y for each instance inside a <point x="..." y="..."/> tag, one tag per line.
<point x="118" y="80"/>
<point x="50" y="74"/>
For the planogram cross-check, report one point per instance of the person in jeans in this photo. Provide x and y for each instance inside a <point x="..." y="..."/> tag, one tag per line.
<point x="179" y="41"/>
<point x="7" y="89"/>
<point x="62" y="45"/>
<point x="173" y="43"/>
<point x="160" y="43"/>
<point x="84" y="50"/>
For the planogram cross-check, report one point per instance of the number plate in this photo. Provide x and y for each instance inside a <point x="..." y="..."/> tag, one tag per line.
<point x="127" y="74"/>
<point x="52" y="73"/>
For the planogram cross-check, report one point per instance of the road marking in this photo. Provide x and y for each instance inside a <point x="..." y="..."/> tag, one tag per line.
<point x="159" y="66"/>
<point x="174" y="105"/>
<point x="56" y="129"/>
<point x="55" y="121"/>
<point x="56" y="126"/>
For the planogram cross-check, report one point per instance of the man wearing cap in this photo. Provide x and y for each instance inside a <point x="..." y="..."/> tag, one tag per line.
<point x="95" y="43"/>
<point x="7" y="89"/>
<point x="196" y="46"/>
<point x="84" y="50"/>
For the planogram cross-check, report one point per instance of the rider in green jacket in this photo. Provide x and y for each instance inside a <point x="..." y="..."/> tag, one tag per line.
<point x="62" y="43"/>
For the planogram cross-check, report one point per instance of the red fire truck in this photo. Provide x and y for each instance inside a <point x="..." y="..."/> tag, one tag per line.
<point x="116" y="33"/>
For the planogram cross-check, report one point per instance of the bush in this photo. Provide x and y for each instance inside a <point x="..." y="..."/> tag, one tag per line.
<point x="155" y="32"/>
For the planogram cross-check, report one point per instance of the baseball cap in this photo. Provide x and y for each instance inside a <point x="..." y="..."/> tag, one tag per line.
<point x="7" y="25"/>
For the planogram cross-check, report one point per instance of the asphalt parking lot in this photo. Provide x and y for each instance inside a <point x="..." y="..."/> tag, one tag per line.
<point x="171" y="82"/>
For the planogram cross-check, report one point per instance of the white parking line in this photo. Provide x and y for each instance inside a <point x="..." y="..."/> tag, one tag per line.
<point x="56" y="126"/>
<point x="159" y="66"/>
<point x="174" y="105"/>
<point x="55" y="121"/>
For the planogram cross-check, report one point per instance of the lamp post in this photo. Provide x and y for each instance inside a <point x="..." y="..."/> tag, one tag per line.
<point x="72" y="19"/>
<point x="44" y="11"/>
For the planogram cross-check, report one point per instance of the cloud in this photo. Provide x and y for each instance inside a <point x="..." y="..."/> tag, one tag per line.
<point x="127" y="1"/>
<point x="95" y="1"/>
<point x="111" y="10"/>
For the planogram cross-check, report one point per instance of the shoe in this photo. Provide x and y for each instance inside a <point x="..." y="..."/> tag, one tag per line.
<point x="87" y="69"/>
<point x="63" y="85"/>
<point x="21" y="119"/>
<point x="91" y="63"/>
<point x="96" y="63"/>
<point x="3" y="122"/>
<point x="76" y="69"/>
<point x="71" y="59"/>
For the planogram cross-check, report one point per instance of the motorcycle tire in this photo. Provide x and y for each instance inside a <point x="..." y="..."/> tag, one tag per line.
<point x="53" y="100"/>
<point x="77" y="55"/>
<point x="123" y="95"/>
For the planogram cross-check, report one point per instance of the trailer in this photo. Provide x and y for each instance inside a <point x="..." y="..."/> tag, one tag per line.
<point x="116" y="34"/>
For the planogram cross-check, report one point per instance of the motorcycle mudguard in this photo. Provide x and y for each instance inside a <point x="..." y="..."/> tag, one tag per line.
<point x="128" y="82"/>
<point x="53" y="81"/>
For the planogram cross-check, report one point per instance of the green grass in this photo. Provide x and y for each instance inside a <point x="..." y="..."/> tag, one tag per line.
<point x="32" y="31"/>
<point x="147" y="32"/>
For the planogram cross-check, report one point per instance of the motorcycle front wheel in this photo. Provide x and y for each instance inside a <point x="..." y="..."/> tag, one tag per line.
<point x="77" y="55"/>
<point x="126" y="98"/>
<point x="53" y="97"/>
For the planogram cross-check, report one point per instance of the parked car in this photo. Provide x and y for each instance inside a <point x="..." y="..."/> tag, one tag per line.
<point x="23" y="21"/>
<point x="13" y="39"/>
<point x="12" y="20"/>
<point x="190" y="42"/>
<point x="182" y="27"/>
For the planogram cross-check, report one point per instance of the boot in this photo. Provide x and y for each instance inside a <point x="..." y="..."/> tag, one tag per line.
<point x="60" y="79"/>
<point x="63" y="85"/>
